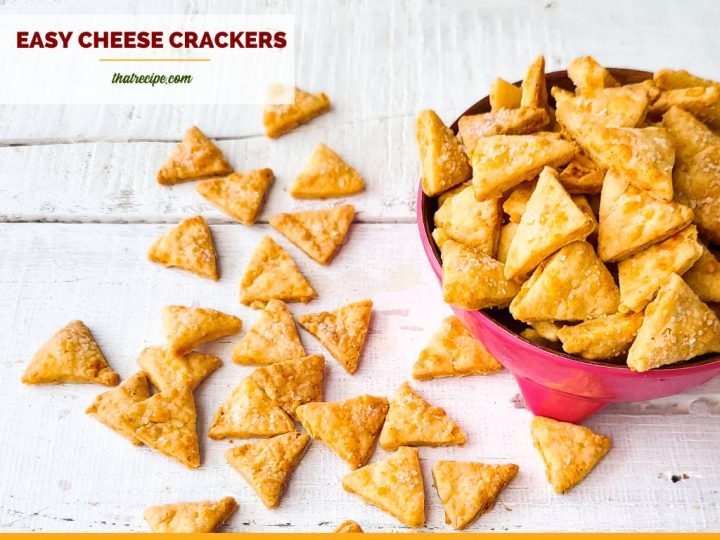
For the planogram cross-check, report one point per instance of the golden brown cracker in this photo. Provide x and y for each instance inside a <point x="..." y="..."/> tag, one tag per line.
<point x="109" y="406"/>
<point x="443" y="164"/>
<point x="190" y="517"/>
<point x="394" y="485"/>
<point x="520" y="121"/>
<point x="188" y="327"/>
<point x="673" y="79"/>
<point x="325" y="176"/>
<point x="272" y="274"/>
<point x="467" y="490"/>
<point x="412" y="421"/>
<point x="267" y="465"/>
<point x="292" y="383"/>
<point x="248" y="412"/>
<point x="469" y="221"/>
<point x="349" y="428"/>
<point x="678" y="326"/>
<point x="71" y="355"/>
<point x="582" y="176"/>
<point x="697" y="185"/>
<point x="704" y="277"/>
<point x="534" y="88"/>
<point x="501" y="162"/>
<point x="689" y="135"/>
<point x="195" y="157"/>
<point x="571" y="285"/>
<point x="319" y="233"/>
<point x="551" y="220"/>
<point x="473" y="280"/>
<point x="569" y="451"/>
<point x="273" y="338"/>
<point x="239" y="195"/>
<point x="700" y="101"/>
<point x="641" y="275"/>
<point x="166" y="423"/>
<point x="504" y="95"/>
<point x="588" y="75"/>
<point x="342" y="331"/>
<point x="189" y="246"/>
<point x="454" y="352"/>
<point x="603" y="338"/>
<point x="280" y="119"/>
<point x="165" y="370"/>
<point x="349" y="526"/>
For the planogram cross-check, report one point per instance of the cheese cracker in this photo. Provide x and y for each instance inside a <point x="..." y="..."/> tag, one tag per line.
<point x="190" y="517"/>
<point x="292" y="383"/>
<point x="165" y="370"/>
<point x="188" y="246"/>
<point x="603" y="338"/>
<point x="280" y="119"/>
<point x="109" y="406"/>
<point x="704" y="277"/>
<point x="325" y="176"/>
<point x="188" y="327"/>
<point x="239" y="195"/>
<point x="195" y="157"/>
<point x="350" y="427"/>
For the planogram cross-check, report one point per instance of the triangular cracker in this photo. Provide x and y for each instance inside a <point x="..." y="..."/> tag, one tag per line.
<point x="412" y="421"/>
<point x="689" y="134"/>
<point x="469" y="221"/>
<point x="292" y="383"/>
<point x="267" y="465"/>
<point x="504" y="95"/>
<point x="633" y="221"/>
<point x="644" y="156"/>
<point x="166" y="370"/>
<point x="641" y="275"/>
<point x="614" y="186"/>
<point x="520" y="121"/>
<point x="349" y="428"/>
<point x="190" y="517"/>
<point x="704" y="277"/>
<point x="551" y="220"/>
<point x="587" y="74"/>
<point x="189" y="327"/>
<point x="534" y="88"/>
<point x="110" y="405"/>
<point x="547" y="329"/>
<point x="280" y="119"/>
<point x="71" y="355"/>
<point x="195" y="157"/>
<point x="515" y="203"/>
<point x="349" y="526"/>
<point x="603" y="338"/>
<point x="582" y="175"/>
<point x="271" y="339"/>
<point x="571" y="285"/>
<point x="394" y="485"/>
<point x="473" y="280"/>
<point x="271" y="273"/>
<point x="623" y="107"/>
<point x="248" y="412"/>
<point x="671" y="79"/>
<point x="239" y="195"/>
<point x="569" y="451"/>
<point x="341" y="331"/>
<point x="443" y="164"/>
<point x="678" y="326"/>
<point x="166" y="423"/>
<point x="697" y="184"/>
<point x="326" y="176"/>
<point x="319" y="233"/>
<point x="454" y="352"/>
<point x="501" y="162"/>
<point x="700" y="101"/>
<point x="189" y="246"/>
<point x="468" y="490"/>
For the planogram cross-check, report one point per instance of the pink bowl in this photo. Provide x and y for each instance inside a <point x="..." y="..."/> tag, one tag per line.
<point x="553" y="383"/>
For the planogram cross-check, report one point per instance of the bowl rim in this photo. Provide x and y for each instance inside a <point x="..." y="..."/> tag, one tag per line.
<point x="482" y="106"/>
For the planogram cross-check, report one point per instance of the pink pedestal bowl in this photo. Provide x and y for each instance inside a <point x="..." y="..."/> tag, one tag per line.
<point x="553" y="383"/>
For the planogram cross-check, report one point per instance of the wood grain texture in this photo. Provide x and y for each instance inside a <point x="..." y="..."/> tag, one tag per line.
<point x="92" y="170"/>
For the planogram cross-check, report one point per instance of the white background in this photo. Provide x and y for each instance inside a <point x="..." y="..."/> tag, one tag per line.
<point x="78" y="193"/>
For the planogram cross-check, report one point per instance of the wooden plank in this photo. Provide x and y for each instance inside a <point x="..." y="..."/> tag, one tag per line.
<point x="378" y="60"/>
<point x="115" y="182"/>
<point x="64" y="471"/>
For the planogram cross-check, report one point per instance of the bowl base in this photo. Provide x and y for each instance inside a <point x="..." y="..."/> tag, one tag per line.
<point x="542" y="401"/>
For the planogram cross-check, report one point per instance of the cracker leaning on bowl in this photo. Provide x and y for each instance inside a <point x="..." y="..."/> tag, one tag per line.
<point x="648" y="148"/>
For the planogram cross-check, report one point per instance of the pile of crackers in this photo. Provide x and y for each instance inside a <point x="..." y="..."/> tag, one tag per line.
<point x="593" y="221"/>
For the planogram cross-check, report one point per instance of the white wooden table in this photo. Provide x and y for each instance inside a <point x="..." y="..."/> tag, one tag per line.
<point x="80" y="207"/>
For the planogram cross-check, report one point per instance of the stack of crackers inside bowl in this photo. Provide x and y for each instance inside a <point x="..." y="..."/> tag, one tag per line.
<point x="593" y="222"/>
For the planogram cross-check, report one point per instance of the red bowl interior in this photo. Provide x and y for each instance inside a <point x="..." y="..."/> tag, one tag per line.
<point x="555" y="383"/>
